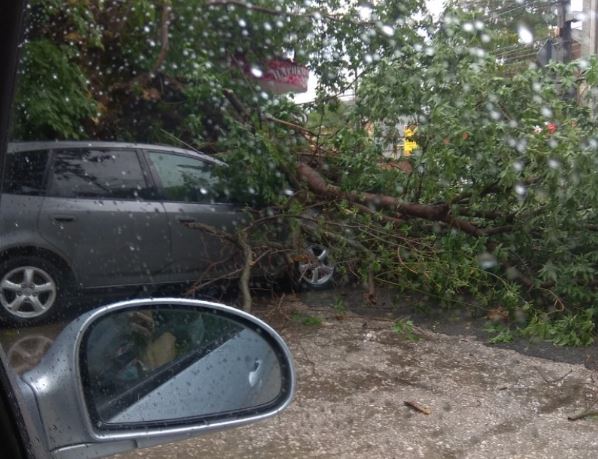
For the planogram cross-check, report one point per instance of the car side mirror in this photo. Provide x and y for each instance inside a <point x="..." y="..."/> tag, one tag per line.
<point x="144" y="372"/>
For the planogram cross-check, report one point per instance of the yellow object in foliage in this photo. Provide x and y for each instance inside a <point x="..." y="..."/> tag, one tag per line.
<point x="409" y="145"/>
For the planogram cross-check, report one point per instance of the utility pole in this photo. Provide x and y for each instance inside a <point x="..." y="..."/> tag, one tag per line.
<point x="589" y="48"/>
<point x="566" y="38"/>
<point x="565" y="30"/>
<point x="590" y="28"/>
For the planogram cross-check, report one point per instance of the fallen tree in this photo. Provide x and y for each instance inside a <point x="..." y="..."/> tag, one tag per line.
<point x="495" y="208"/>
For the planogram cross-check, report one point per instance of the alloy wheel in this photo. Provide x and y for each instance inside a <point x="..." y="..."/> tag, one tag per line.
<point x="318" y="269"/>
<point x="27" y="292"/>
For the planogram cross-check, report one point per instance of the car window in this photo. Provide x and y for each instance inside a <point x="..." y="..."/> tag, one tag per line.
<point x="91" y="173"/>
<point x="185" y="179"/>
<point x="25" y="172"/>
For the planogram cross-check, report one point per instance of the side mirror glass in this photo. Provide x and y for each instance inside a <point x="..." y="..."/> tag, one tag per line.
<point x="173" y="364"/>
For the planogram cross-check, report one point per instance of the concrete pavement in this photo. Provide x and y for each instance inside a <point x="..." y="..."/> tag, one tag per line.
<point x="355" y="375"/>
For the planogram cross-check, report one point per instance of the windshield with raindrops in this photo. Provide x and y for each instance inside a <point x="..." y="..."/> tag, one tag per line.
<point x="406" y="158"/>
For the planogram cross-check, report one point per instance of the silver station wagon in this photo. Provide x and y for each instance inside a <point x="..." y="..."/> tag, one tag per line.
<point x="92" y="215"/>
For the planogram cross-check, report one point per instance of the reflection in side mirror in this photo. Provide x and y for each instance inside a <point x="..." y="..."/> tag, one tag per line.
<point x="139" y="373"/>
<point x="176" y="365"/>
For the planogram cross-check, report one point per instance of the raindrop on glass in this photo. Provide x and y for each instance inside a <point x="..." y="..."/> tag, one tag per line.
<point x="546" y="112"/>
<point x="525" y="35"/>
<point x="256" y="72"/>
<point x="487" y="260"/>
<point x="388" y="30"/>
<point x="520" y="189"/>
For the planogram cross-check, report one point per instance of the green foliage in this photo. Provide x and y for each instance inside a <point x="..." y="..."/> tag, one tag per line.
<point x="567" y="330"/>
<point x="248" y="151"/>
<point x="405" y="329"/>
<point x="339" y="306"/>
<point x="55" y="99"/>
<point x="485" y="152"/>
<point x="307" y="320"/>
<point x="491" y="145"/>
<point x="501" y="334"/>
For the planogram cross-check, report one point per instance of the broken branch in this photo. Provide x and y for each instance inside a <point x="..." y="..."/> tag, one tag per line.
<point x="434" y="212"/>
<point x="583" y="414"/>
<point x="417" y="407"/>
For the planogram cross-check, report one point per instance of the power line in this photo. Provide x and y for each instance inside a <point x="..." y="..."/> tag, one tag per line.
<point x="522" y="56"/>
<point x="535" y="6"/>
<point x="523" y="48"/>
<point x="514" y="46"/>
<point x="508" y="8"/>
<point x="499" y="12"/>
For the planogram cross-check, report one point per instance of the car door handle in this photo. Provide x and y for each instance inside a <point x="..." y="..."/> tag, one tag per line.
<point x="185" y="220"/>
<point x="63" y="218"/>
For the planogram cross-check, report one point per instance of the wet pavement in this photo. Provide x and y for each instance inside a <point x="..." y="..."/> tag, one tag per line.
<point x="467" y="320"/>
<point x="355" y="375"/>
<point x="26" y="346"/>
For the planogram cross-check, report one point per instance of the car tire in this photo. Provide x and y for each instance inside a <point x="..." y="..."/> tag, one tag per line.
<point x="32" y="289"/>
<point x="317" y="270"/>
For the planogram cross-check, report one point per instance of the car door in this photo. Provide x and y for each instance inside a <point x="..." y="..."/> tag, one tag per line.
<point x="188" y="186"/>
<point x="100" y="211"/>
<point x="22" y="197"/>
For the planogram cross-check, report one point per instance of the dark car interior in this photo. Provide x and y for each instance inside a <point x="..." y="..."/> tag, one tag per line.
<point x="11" y="14"/>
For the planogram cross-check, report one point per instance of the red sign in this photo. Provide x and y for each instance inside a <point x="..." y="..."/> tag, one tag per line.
<point x="279" y="76"/>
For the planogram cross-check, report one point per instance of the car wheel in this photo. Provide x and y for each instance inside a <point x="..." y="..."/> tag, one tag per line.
<point x="316" y="270"/>
<point x="31" y="289"/>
